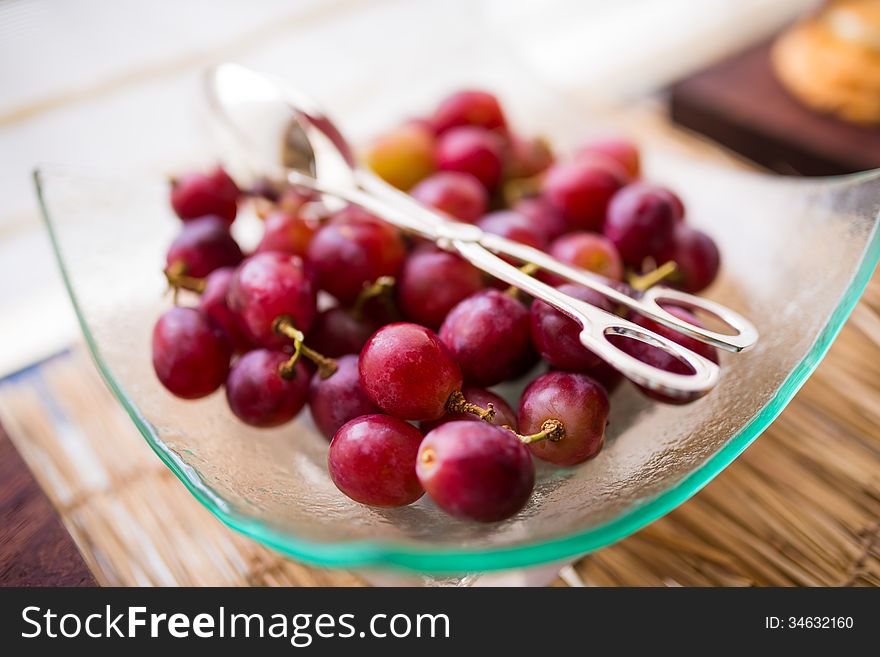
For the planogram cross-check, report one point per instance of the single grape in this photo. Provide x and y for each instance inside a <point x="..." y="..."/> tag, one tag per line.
<point x="432" y="282"/>
<point x="581" y="190"/>
<point x="488" y="335"/>
<point x="202" y="246"/>
<point x="640" y="223"/>
<point x="544" y="219"/>
<point x="514" y="226"/>
<point x="190" y="354"/>
<point x="696" y="258"/>
<point x="260" y="395"/>
<point x="347" y="254"/>
<point x="214" y="303"/>
<point x="556" y="336"/>
<point x="266" y="287"/>
<point x="476" y="471"/>
<point x="198" y="194"/>
<point x="459" y="195"/>
<point x="590" y="251"/>
<point x="621" y="150"/>
<point x="469" y="108"/>
<point x="287" y="233"/>
<point x="575" y="400"/>
<point x="338" y="331"/>
<point x="403" y="156"/>
<point x="504" y="414"/>
<point x="372" y="460"/>
<point x="407" y="372"/>
<point x="339" y="398"/>
<point x="526" y="157"/>
<point x="471" y="150"/>
<point x="659" y="358"/>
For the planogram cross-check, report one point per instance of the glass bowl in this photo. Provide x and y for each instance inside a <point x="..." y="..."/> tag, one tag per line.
<point x="797" y="254"/>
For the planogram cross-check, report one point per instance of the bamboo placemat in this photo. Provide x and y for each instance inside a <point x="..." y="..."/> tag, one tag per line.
<point x="800" y="507"/>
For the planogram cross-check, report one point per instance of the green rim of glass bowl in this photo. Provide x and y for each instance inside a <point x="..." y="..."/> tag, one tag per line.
<point x="368" y="554"/>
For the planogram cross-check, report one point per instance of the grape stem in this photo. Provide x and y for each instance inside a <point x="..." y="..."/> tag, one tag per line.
<point x="326" y="366"/>
<point x="378" y="289"/>
<point x="529" y="269"/>
<point x="552" y="430"/>
<point x="645" y="281"/>
<point x="178" y="280"/>
<point x="458" y="404"/>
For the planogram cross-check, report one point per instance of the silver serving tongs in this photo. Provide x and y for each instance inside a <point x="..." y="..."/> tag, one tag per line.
<point x="247" y="104"/>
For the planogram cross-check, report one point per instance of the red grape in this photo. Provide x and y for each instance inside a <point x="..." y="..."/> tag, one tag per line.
<point x="469" y="108"/>
<point x="696" y="258"/>
<point x="575" y="400"/>
<point x="514" y="226"/>
<point x="432" y="282"/>
<point x="201" y="247"/>
<point x="372" y="459"/>
<point x="214" y="303"/>
<point x="459" y="195"/>
<point x="197" y="194"/>
<point x="488" y="335"/>
<point x="621" y="150"/>
<point x="556" y="336"/>
<point x="581" y="190"/>
<point x="260" y="395"/>
<point x="590" y="251"/>
<point x="471" y="150"/>
<point x="476" y="471"/>
<point x="640" y="222"/>
<point x="674" y="200"/>
<point x="526" y="157"/>
<point x="287" y="233"/>
<point x="348" y="254"/>
<point x="337" y="331"/>
<point x="543" y="217"/>
<point x="190" y="354"/>
<point x="339" y="398"/>
<point x="407" y="372"/>
<point x="266" y="287"/>
<point x="403" y="156"/>
<point x="504" y="414"/>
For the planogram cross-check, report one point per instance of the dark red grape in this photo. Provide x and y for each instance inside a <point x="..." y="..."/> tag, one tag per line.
<point x="504" y="414"/>
<point x="659" y="358"/>
<point x="372" y="459"/>
<point x="556" y="336"/>
<point x="640" y="222"/>
<point x="432" y="282"/>
<point x="621" y="150"/>
<point x="581" y="190"/>
<point x="674" y="200"/>
<point x="514" y="226"/>
<point x="407" y="372"/>
<point x="476" y="471"/>
<point x="346" y="255"/>
<point x="197" y="194"/>
<point x="542" y="216"/>
<point x="287" y="233"/>
<point x="337" y="331"/>
<point x="190" y="354"/>
<point x="590" y="251"/>
<point x="471" y="150"/>
<point x="469" y="108"/>
<point x="403" y="156"/>
<point x="214" y="303"/>
<point x="259" y="395"/>
<point x="459" y="195"/>
<point x="575" y="400"/>
<point x="696" y="258"/>
<point x="202" y="246"/>
<point x="339" y="398"/>
<point x="268" y="286"/>
<point x="488" y="335"/>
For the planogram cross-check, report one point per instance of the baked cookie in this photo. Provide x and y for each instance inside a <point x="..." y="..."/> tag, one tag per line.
<point x="831" y="61"/>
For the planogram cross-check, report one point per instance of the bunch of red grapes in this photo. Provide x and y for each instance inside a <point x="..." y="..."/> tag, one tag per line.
<point x="397" y="370"/>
